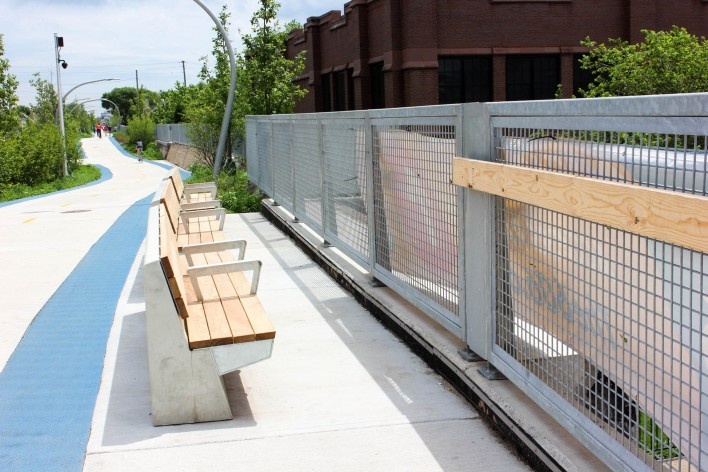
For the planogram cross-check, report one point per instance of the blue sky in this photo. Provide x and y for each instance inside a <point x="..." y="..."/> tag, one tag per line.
<point x="115" y="38"/>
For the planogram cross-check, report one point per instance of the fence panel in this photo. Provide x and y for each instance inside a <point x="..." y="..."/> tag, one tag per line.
<point x="416" y="210"/>
<point x="307" y="159"/>
<point x="609" y="323"/>
<point x="605" y="326"/>
<point x="345" y="186"/>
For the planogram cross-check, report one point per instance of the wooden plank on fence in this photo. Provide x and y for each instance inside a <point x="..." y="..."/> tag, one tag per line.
<point x="676" y="218"/>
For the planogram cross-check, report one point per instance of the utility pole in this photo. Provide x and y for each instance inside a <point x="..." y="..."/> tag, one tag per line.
<point x="184" y="75"/>
<point x="137" y="87"/>
<point x="58" y="44"/>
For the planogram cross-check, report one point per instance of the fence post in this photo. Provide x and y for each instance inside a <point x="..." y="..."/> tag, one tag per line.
<point x="476" y="239"/>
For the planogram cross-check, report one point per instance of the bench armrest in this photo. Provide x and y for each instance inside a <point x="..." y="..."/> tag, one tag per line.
<point x="224" y="268"/>
<point x="205" y="187"/>
<point x="200" y="205"/>
<point x="217" y="246"/>
<point x="220" y="213"/>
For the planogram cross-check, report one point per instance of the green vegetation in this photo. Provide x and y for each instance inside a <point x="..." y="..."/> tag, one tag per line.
<point x="666" y="62"/>
<point x="236" y="195"/>
<point x="653" y="440"/>
<point x="81" y="176"/>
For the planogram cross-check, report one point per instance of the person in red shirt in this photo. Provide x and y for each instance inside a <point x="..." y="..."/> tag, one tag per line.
<point x="98" y="130"/>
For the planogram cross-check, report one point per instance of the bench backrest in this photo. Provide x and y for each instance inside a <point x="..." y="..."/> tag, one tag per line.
<point x="177" y="182"/>
<point x="170" y="200"/>
<point x="170" y="260"/>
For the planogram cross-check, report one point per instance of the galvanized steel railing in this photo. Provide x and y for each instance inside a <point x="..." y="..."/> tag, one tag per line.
<point x="576" y="291"/>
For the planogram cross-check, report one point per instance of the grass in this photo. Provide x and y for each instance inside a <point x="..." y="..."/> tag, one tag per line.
<point x="81" y="176"/>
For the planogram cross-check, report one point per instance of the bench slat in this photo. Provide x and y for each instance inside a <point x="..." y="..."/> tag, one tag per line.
<point x="196" y="324"/>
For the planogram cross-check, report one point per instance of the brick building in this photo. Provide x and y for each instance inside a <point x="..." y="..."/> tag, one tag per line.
<point x="399" y="53"/>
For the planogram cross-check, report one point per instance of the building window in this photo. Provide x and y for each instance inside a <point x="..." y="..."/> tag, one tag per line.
<point x="339" y="90"/>
<point x="378" y="88"/>
<point x="326" y="93"/>
<point x="351" y="104"/>
<point x="582" y="78"/>
<point x="532" y="77"/>
<point x="464" y="79"/>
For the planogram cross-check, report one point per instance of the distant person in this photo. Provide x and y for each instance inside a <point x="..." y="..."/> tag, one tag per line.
<point x="139" y="149"/>
<point x="98" y="130"/>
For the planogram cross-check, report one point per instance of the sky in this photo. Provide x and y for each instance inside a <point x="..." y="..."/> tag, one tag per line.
<point x="106" y="39"/>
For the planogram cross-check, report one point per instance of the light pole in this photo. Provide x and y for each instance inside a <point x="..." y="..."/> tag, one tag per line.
<point x="230" y="100"/>
<point x="58" y="44"/>
<point x="63" y="99"/>
<point x="85" y="83"/>
<point x="71" y="108"/>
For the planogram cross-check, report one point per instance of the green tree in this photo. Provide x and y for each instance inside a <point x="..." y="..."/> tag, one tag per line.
<point x="172" y="104"/>
<point x="666" y="62"/>
<point x="141" y="128"/>
<point x="265" y="81"/>
<point x="205" y="110"/>
<point x="121" y="96"/>
<point x="45" y="110"/>
<point x="9" y="114"/>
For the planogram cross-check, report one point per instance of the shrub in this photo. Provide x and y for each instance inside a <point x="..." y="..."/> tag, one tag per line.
<point x="152" y="152"/>
<point x="141" y="128"/>
<point x="233" y="189"/>
<point x="34" y="155"/>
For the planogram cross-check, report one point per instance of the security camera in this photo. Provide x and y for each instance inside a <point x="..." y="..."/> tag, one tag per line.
<point x="64" y="65"/>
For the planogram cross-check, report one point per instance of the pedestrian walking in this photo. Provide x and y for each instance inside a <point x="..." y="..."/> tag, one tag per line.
<point x="139" y="149"/>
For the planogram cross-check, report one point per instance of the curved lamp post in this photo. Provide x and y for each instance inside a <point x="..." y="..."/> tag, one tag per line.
<point x="230" y="101"/>
<point x="85" y="83"/>
<point x="94" y="100"/>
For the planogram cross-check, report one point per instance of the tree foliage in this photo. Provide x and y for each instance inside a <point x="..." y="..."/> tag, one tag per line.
<point x="47" y="103"/>
<point x="172" y="104"/>
<point x="265" y="81"/>
<point x="9" y="113"/>
<point x="666" y="62"/>
<point x="141" y="128"/>
<point x="267" y="78"/>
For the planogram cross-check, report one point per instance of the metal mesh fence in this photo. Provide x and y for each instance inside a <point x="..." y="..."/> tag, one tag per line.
<point x="344" y="171"/>
<point x="416" y="209"/>
<point x="611" y="321"/>
<point x="283" y="183"/>
<point x="252" y="153"/>
<point x="308" y="172"/>
<point x="264" y="139"/>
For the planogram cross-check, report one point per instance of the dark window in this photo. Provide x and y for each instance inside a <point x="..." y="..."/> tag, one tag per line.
<point x="350" y="89"/>
<point x="532" y="77"/>
<point x="326" y="94"/>
<point x="464" y="79"/>
<point x="378" y="89"/>
<point x="581" y="77"/>
<point x="339" y="88"/>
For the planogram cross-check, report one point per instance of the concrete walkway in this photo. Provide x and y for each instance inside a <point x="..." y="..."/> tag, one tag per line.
<point x="341" y="392"/>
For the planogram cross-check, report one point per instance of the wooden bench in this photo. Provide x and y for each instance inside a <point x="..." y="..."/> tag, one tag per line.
<point x="203" y="320"/>
<point x="192" y="226"/>
<point x="192" y="193"/>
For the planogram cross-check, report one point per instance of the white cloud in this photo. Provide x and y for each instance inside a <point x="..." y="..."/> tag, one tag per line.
<point x="114" y="38"/>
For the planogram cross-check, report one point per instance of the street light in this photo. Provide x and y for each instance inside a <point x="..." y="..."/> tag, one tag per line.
<point x="81" y="102"/>
<point x="58" y="44"/>
<point x="230" y="100"/>
<point x="85" y="83"/>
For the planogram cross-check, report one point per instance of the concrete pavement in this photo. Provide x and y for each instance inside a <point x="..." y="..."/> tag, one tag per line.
<point x="340" y="392"/>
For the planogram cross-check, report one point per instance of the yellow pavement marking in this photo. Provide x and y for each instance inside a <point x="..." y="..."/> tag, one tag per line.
<point x="28" y="220"/>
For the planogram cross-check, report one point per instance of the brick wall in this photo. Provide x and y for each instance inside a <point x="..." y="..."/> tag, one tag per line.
<point x="409" y="35"/>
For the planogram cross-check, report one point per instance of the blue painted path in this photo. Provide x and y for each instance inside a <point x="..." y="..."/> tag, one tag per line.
<point x="48" y="387"/>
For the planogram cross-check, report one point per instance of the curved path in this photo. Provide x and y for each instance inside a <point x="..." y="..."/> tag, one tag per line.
<point x="340" y="393"/>
<point x="65" y="259"/>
